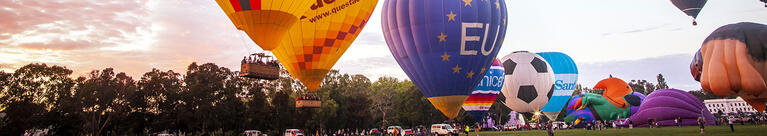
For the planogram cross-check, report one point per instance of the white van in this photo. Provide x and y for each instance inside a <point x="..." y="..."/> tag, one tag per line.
<point x="443" y="129"/>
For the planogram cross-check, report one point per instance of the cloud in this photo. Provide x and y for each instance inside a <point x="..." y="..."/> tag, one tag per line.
<point x="651" y="28"/>
<point x="675" y="69"/>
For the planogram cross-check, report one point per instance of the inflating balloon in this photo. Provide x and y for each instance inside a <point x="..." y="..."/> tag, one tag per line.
<point x="529" y="81"/>
<point x="735" y="62"/>
<point x="565" y="78"/>
<point x="690" y="7"/>
<point x="575" y="114"/>
<point x="665" y="105"/>
<point x="265" y="21"/>
<point x="321" y="36"/>
<point x="484" y="94"/>
<point x="614" y="90"/>
<point x="444" y="46"/>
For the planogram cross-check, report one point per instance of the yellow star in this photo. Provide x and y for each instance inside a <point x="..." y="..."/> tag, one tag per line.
<point x="497" y="5"/>
<point x="442" y="37"/>
<point x="456" y="69"/>
<point x="470" y="74"/>
<point x="482" y="71"/>
<point x="445" y="57"/>
<point x="468" y="3"/>
<point x="451" y="16"/>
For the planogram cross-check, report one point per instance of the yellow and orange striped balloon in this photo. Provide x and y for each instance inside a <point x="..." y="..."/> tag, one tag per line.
<point x="265" y="21"/>
<point x="321" y="36"/>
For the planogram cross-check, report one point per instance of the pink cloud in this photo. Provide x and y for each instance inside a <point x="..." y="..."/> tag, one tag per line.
<point x="180" y="32"/>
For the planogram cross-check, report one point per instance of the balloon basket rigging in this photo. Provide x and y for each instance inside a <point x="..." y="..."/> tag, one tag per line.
<point x="260" y="66"/>
<point x="308" y="100"/>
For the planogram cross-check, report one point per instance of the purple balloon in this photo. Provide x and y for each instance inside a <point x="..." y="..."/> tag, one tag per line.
<point x="666" y="105"/>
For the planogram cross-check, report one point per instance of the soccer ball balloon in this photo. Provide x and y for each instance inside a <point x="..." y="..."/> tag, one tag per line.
<point x="529" y="81"/>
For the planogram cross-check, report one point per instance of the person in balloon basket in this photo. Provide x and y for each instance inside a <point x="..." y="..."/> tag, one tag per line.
<point x="701" y="123"/>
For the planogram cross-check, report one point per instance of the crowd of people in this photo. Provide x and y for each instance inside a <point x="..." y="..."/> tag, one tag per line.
<point x="260" y="58"/>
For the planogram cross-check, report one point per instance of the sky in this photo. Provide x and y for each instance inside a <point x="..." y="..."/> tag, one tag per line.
<point x="626" y="39"/>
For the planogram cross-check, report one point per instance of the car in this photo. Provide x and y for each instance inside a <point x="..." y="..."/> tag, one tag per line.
<point x="390" y="130"/>
<point x="408" y="132"/>
<point x="293" y="132"/>
<point x="252" y="133"/>
<point x="559" y="125"/>
<point x="443" y="129"/>
<point x="374" y="131"/>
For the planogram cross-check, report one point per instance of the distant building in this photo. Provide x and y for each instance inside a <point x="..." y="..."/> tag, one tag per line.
<point x="728" y="106"/>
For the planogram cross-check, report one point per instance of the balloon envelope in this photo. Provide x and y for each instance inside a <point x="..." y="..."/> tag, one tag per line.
<point x="690" y="7"/>
<point x="614" y="90"/>
<point x="322" y="35"/>
<point x="529" y="81"/>
<point x="565" y="78"/>
<point x="665" y="105"/>
<point x="734" y="62"/>
<point x="265" y="21"/>
<point x="484" y="94"/>
<point x="444" y="46"/>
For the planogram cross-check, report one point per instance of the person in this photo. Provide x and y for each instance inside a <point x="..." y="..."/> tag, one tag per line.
<point x="676" y="121"/>
<point x="680" y="122"/>
<point x="244" y="59"/>
<point x="631" y="124"/>
<point x="550" y="128"/>
<point x="649" y="123"/>
<point x="701" y="123"/>
<point x="729" y="121"/>
<point x="741" y="120"/>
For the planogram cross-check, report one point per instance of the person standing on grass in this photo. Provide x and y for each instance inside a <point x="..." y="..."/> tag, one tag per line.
<point x="676" y="121"/>
<point x="550" y="128"/>
<point x="729" y="121"/>
<point x="701" y="123"/>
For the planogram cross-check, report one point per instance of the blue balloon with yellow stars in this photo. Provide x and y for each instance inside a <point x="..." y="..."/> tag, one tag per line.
<point x="444" y="46"/>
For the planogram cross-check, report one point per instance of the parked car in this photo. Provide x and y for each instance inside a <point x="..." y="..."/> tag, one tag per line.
<point x="443" y="129"/>
<point x="374" y="131"/>
<point x="293" y="132"/>
<point x="390" y="130"/>
<point x="408" y="132"/>
<point x="560" y="125"/>
<point x="252" y="133"/>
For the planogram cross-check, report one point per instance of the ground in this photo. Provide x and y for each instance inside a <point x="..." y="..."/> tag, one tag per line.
<point x="740" y="130"/>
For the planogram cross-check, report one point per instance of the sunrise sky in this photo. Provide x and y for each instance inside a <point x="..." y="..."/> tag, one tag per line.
<point x="628" y="39"/>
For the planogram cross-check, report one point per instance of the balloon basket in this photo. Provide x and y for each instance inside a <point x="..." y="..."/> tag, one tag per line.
<point x="308" y="101"/>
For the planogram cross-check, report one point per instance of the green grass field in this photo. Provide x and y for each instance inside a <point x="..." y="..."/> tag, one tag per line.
<point x="740" y="130"/>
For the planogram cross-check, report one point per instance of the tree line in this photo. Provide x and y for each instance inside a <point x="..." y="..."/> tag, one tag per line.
<point x="205" y="100"/>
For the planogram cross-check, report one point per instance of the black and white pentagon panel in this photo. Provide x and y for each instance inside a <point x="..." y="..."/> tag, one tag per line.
<point x="527" y="93"/>
<point x="539" y="65"/>
<point x="509" y="66"/>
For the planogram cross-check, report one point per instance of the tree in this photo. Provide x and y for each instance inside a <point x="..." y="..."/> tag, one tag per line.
<point x="29" y="95"/>
<point x="104" y="98"/>
<point x="661" y="82"/>
<point x="161" y="97"/>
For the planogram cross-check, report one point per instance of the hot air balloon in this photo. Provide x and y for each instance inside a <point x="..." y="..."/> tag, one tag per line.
<point x="484" y="94"/>
<point x="665" y="105"/>
<point x="565" y="78"/>
<point x="577" y="115"/>
<point x="615" y="101"/>
<point x="734" y="61"/>
<point x="529" y="81"/>
<point x="265" y="21"/>
<point x="690" y="7"/>
<point x="444" y="46"/>
<point x="320" y="37"/>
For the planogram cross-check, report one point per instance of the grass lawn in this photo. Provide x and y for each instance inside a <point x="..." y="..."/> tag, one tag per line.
<point x="740" y="130"/>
